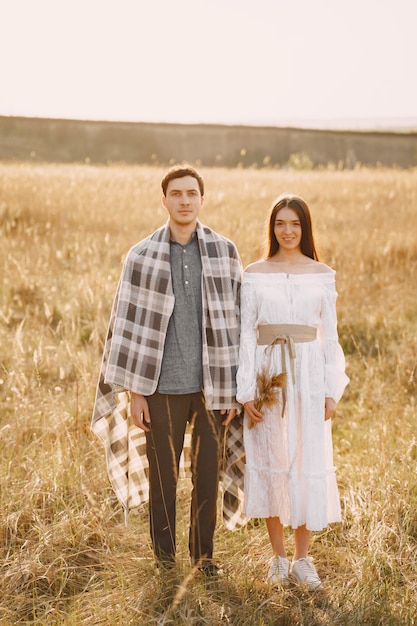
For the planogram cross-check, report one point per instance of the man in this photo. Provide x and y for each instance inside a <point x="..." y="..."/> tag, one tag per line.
<point x="173" y="345"/>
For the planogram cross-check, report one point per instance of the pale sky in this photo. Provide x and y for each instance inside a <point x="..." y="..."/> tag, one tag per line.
<point x="210" y="61"/>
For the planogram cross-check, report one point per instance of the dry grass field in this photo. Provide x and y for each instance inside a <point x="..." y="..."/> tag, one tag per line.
<point x="66" y="556"/>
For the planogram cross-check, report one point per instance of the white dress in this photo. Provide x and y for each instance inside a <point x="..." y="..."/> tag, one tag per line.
<point x="289" y="460"/>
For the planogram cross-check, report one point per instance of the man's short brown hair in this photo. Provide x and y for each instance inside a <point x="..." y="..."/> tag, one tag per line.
<point x="179" y="171"/>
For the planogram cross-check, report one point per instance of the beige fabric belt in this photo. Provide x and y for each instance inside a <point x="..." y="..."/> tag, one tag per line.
<point x="271" y="335"/>
<point x="268" y="333"/>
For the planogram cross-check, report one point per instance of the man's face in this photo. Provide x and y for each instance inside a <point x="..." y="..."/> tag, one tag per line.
<point x="183" y="200"/>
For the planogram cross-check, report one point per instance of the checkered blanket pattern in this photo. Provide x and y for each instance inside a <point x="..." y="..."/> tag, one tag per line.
<point x="133" y="351"/>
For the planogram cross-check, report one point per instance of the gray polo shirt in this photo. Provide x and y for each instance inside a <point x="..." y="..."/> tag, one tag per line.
<point x="181" y="370"/>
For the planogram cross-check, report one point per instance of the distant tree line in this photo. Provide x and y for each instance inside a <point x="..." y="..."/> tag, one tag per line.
<point x="40" y="139"/>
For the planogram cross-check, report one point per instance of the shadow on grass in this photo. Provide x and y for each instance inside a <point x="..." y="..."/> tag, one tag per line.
<point x="189" y="599"/>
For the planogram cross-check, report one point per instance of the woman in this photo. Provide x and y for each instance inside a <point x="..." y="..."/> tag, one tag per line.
<point x="290" y="377"/>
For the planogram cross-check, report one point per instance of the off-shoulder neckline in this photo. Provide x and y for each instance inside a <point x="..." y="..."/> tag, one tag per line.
<point x="329" y="273"/>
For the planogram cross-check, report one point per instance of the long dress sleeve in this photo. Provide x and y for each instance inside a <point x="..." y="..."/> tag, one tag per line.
<point x="335" y="379"/>
<point x="246" y="375"/>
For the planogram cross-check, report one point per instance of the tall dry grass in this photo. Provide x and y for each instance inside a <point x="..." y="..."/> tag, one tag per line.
<point x="66" y="556"/>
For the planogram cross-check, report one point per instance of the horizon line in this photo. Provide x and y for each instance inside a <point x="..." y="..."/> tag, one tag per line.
<point x="403" y="124"/>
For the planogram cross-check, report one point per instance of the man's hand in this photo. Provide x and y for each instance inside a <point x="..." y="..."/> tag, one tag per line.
<point x="139" y="410"/>
<point x="231" y="414"/>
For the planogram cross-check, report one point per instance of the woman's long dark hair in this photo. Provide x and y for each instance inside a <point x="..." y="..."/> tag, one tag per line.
<point x="298" y="205"/>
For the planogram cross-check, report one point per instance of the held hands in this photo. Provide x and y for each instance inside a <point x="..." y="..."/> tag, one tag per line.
<point x="139" y="410"/>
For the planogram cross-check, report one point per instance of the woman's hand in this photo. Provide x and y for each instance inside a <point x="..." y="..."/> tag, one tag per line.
<point x="254" y="415"/>
<point x="329" y="408"/>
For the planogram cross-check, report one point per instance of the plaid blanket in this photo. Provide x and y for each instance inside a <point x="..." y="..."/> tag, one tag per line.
<point x="133" y="353"/>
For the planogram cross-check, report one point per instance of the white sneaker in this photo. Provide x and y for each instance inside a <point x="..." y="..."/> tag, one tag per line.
<point x="278" y="571"/>
<point x="305" y="572"/>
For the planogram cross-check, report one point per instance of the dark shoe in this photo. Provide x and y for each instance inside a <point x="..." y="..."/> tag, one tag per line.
<point x="209" y="569"/>
<point x="165" y="565"/>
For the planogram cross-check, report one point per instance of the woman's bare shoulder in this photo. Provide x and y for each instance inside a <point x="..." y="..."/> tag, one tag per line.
<point x="322" y="268"/>
<point x="257" y="266"/>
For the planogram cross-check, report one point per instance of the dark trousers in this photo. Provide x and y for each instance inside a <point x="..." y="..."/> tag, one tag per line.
<point x="164" y="444"/>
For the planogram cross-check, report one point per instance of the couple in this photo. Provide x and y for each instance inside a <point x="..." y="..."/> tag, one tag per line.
<point x="192" y="341"/>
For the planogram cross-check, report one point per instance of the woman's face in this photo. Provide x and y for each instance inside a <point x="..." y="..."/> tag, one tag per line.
<point x="287" y="229"/>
